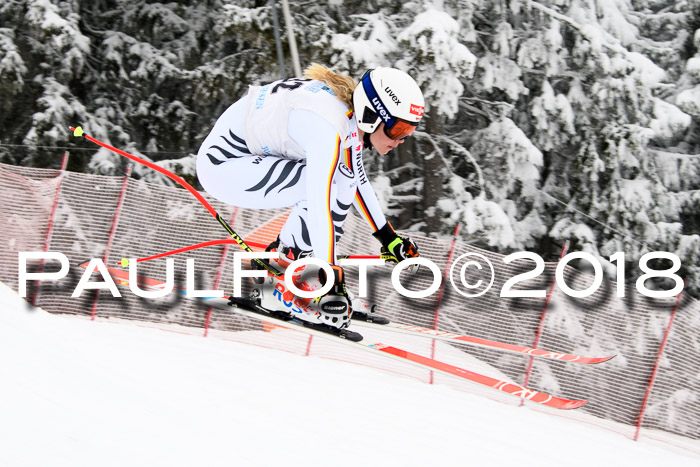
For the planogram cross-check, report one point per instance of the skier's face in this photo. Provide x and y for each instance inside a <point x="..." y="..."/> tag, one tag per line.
<point x="381" y="142"/>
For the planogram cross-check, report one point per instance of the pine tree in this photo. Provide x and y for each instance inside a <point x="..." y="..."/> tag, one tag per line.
<point x="546" y="120"/>
<point x="44" y="54"/>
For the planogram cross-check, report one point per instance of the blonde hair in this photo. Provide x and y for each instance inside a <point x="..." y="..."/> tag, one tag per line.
<point x="342" y="85"/>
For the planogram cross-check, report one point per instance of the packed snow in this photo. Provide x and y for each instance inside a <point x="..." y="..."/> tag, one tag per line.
<point x="85" y="393"/>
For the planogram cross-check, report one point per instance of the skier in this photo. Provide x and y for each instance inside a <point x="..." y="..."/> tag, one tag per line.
<point x="298" y="142"/>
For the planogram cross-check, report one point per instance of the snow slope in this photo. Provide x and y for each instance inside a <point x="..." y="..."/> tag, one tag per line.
<point x="80" y="393"/>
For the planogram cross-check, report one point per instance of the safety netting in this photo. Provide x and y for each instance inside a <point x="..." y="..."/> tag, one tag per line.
<point x="651" y="385"/>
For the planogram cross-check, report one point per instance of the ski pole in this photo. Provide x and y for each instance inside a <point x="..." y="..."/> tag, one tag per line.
<point x="226" y="241"/>
<point x="79" y="133"/>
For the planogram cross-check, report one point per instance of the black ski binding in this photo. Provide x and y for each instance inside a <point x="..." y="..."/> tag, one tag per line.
<point x="370" y="318"/>
<point x="254" y="306"/>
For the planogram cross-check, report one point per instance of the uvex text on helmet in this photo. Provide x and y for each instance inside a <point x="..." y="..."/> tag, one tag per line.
<point x="391" y="96"/>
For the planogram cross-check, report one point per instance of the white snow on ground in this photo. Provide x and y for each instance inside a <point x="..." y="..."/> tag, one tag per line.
<point x="79" y="393"/>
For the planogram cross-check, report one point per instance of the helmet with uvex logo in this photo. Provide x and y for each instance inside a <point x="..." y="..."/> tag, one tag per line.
<point x="390" y="96"/>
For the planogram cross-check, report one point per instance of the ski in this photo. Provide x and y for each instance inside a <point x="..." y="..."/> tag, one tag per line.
<point x="381" y="323"/>
<point x="406" y="357"/>
<point x="239" y="306"/>
<point x="418" y="331"/>
<point x="503" y="386"/>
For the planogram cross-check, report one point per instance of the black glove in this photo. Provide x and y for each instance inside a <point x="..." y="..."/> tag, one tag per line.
<point x="398" y="248"/>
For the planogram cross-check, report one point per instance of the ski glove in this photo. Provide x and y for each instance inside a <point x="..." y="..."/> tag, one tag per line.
<point x="397" y="247"/>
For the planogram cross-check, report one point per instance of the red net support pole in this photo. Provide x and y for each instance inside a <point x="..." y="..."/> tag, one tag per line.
<point x="650" y="386"/>
<point x="52" y="218"/>
<point x="219" y="274"/>
<point x="436" y="322"/>
<point x="540" y="327"/>
<point x="112" y="231"/>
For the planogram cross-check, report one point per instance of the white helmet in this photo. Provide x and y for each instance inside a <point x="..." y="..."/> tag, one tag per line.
<point x="391" y="96"/>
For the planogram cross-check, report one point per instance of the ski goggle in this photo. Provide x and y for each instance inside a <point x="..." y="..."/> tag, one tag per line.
<point x="401" y="129"/>
<point x="395" y="128"/>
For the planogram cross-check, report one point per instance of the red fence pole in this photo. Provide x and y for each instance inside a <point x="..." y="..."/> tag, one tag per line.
<point x="442" y="291"/>
<point x="540" y="327"/>
<point x="52" y="217"/>
<point x="662" y="347"/>
<point x="113" y="230"/>
<point x="219" y="274"/>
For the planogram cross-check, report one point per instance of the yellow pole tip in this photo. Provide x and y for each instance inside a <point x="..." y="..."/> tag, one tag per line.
<point x="124" y="263"/>
<point x="78" y="132"/>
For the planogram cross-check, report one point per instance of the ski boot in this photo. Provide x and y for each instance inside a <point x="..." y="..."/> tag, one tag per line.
<point x="328" y="313"/>
<point x="286" y="256"/>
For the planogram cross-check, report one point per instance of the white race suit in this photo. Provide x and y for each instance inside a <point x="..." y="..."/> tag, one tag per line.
<point x="291" y="143"/>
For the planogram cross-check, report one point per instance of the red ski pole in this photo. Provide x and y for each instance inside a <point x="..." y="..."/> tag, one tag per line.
<point x="78" y="132"/>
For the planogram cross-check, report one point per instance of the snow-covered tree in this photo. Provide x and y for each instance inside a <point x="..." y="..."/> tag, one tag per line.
<point x="546" y="120"/>
<point x="44" y="51"/>
<point x="437" y="60"/>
